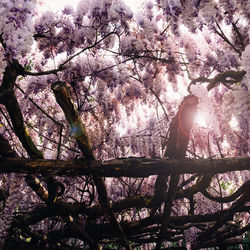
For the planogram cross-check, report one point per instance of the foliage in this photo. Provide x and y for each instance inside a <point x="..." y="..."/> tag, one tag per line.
<point x="100" y="109"/>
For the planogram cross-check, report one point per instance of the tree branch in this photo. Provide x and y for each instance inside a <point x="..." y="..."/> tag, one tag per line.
<point x="8" y="98"/>
<point x="179" y="132"/>
<point x="235" y="76"/>
<point x="226" y="216"/>
<point x="128" y="167"/>
<point x="230" y="198"/>
<point x="224" y="37"/>
<point x="63" y="97"/>
<point x="5" y="148"/>
<point x="12" y="71"/>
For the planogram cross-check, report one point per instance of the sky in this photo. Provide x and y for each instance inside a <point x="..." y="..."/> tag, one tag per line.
<point x="59" y="4"/>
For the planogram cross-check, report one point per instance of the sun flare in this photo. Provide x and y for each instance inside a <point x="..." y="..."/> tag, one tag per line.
<point x="234" y="123"/>
<point x="200" y="120"/>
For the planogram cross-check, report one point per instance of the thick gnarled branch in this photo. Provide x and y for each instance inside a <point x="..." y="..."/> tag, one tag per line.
<point x="226" y="78"/>
<point x="8" y="98"/>
<point x="63" y="97"/>
<point x="177" y="144"/>
<point x="78" y="130"/>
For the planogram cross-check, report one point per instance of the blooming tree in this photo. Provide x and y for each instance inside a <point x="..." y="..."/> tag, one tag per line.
<point x="125" y="130"/>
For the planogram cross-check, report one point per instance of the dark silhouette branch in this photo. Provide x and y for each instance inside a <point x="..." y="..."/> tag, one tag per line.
<point x="179" y="133"/>
<point x="8" y="98"/>
<point x="5" y="148"/>
<point x="12" y="71"/>
<point x="224" y="37"/>
<point x="230" y="198"/>
<point x="226" y="216"/>
<point x="227" y="78"/>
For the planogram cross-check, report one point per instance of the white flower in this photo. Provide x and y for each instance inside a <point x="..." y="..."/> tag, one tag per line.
<point x="245" y="58"/>
<point x="208" y="13"/>
<point x="3" y="63"/>
<point x="199" y="90"/>
<point x="17" y="27"/>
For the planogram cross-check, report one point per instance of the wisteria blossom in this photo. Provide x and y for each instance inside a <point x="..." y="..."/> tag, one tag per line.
<point x="124" y="129"/>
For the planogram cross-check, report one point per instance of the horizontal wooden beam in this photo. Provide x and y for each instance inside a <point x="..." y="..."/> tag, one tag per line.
<point x="129" y="167"/>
